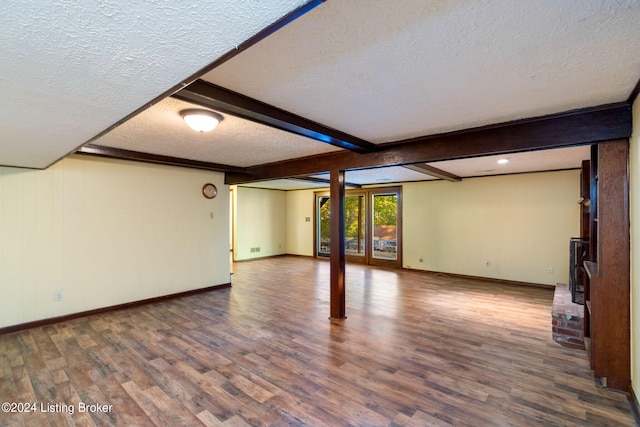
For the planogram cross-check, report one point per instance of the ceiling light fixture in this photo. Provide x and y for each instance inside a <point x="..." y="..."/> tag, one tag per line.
<point x="503" y="161"/>
<point x="201" y="120"/>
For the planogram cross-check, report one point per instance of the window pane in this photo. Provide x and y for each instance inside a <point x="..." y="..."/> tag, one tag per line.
<point x="385" y="210"/>
<point x="324" y="222"/>
<point x="354" y="225"/>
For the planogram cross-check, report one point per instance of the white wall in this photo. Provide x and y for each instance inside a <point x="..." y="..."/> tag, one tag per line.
<point x="519" y="224"/>
<point x="260" y="223"/>
<point x="106" y="232"/>
<point x="634" y="202"/>
<point x="300" y="206"/>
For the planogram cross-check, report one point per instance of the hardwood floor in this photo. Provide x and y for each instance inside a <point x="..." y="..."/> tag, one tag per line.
<point x="416" y="349"/>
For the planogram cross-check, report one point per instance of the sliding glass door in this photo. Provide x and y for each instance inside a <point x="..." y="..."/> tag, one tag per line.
<point x="372" y="226"/>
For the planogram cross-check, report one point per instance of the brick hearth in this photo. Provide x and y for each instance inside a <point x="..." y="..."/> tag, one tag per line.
<point x="567" y="319"/>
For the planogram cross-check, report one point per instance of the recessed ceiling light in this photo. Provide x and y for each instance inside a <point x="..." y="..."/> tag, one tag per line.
<point x="503" y="161"/>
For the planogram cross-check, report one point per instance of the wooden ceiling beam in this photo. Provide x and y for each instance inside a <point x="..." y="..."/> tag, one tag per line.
<point x="434" y="172"/>
<point x="571" y="128"/>
<point x="223" y="100"/>
<point x="121" y="154"/>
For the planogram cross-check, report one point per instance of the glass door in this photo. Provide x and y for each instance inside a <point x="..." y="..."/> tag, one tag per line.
<point x="385" y="228"/>
<point x="372" y="226"/>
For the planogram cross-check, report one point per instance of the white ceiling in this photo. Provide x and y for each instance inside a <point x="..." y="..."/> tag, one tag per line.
<point x="71" y="69"/>
<point x="380" y="70"/>
<point x="386" y="70"/>
<point x="534" y="161"/>
<point x="236" y="142"/>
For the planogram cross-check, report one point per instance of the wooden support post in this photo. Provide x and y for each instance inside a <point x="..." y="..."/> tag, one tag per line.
<point x="338" y="300"/>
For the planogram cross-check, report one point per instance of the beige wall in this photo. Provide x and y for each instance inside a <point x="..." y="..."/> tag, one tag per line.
<point x="634" y="195"/>
<point x="260" y="222"/>
<point x="300" y="206"/>
<point x="519" y="224"/>
<point x="106" y="232"/>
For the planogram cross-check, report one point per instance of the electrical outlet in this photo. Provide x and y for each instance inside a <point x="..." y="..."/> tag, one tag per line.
<point x="58" y="296"/>
<point x="550" y="271"/>
<point x="487" y="263"/>
<point x="211" y="215"/>
<point x="421" y="259"/>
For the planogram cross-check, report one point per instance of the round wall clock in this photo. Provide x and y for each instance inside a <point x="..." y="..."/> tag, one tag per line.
<point x="209" y="191"/>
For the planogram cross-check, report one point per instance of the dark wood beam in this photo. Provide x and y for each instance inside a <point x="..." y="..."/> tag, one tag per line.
<point x="433" y="171"/>
<point x="572" y="128"/>
<point x="118" y="153"/>
<point x="223" y="100"/>
<point x="337" y="233"/>
<point x="323" y="181"/>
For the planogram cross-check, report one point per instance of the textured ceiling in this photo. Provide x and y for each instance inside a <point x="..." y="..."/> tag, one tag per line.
<point x="386" y="70"/>
<point x="381" y="70"/>
<point x="381" y="175"/>
<point x="71" y="69"/>
<point x="235" y="142"/>
<point x="534" y="161"/>
<point x="286" y="184"/>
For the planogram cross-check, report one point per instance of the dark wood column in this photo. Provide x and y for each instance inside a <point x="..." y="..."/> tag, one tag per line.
<point x="338" y="300"/>
<point x="608" y="307"/>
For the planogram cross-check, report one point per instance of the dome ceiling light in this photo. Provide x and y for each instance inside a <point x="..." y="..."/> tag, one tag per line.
<point x="201" y="120"/>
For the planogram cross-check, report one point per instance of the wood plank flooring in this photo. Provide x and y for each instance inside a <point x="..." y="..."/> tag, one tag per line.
<point x="416" y="350"/>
